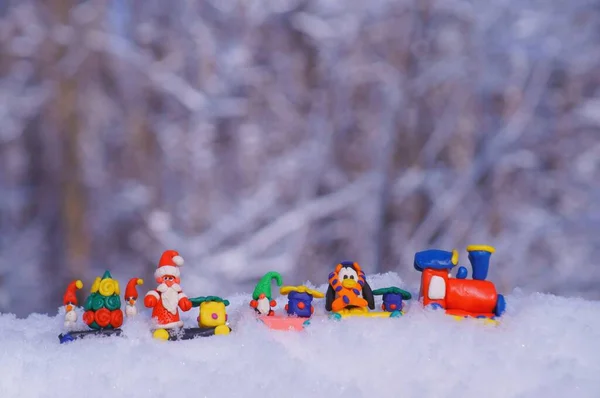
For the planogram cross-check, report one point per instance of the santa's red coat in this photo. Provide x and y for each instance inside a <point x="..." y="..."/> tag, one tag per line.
<point x="165" y="318"/>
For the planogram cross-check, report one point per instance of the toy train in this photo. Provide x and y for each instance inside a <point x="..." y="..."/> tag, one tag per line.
<point x="348" y="295"/>
<point x="459" y="296"/>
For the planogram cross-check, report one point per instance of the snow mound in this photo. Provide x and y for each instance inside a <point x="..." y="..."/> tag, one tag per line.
<point x="546" y="346"/>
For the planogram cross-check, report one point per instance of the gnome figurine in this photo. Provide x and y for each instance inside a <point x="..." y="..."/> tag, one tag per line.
<point x="131" y="296"/>
<point x="70" y="302"/>
<point x="262" y="301"/>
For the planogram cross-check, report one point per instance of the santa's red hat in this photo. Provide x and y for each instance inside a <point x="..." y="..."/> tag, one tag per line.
<point x="130" y="290"/>
<point x="70" y="296"/>
<point x="169" y="264"/>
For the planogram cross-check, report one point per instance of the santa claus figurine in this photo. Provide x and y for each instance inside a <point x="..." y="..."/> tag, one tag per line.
<point x="168" y="297"/>
<point x="70" y="302"/>
<point x="131" y="296"/>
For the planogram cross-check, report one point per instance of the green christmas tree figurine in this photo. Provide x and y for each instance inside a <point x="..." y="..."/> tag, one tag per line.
<point x="103" y="306"/>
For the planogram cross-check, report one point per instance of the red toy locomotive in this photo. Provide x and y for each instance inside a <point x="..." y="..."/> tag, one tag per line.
<point x="459" y="296"/>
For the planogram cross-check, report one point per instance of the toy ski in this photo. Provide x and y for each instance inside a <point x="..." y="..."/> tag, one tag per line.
<point x="76" y="335"/>
<point x="183" y="333"/>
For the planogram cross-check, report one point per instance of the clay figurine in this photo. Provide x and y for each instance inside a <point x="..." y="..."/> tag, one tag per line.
<point x="168" y="297"/>
<point x="131" y="296"/>
<point x="70" y="302"/>
<point x="300" y="300"/>
<point x="393" y="298"/>
<point x="262" y="301"/>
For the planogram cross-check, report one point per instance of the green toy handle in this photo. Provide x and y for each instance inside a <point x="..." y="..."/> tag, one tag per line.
<point x="393" y="290"/>
<point x="196" y="301"/>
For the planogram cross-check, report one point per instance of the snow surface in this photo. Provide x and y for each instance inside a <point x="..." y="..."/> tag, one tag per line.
<point x="546" y="346"/>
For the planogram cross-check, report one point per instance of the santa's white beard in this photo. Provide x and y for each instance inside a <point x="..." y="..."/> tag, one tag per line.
<point x="169" y="296"/>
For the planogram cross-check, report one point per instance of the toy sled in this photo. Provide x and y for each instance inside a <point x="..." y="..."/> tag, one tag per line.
<point x="189" y="333"/>
<point x="286" y="323"/>
<point x="81" y="334"/>
<point x="361" y="313"/>
<point x="212" y="320"/>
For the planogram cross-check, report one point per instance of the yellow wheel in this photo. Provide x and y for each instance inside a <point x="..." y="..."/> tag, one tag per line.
<point x="161" y="334"/>
<point x="489" y="321"/>
<point x="222" y="329"/>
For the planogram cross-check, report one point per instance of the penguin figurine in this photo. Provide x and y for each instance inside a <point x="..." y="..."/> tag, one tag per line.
<point x="262" y="301"/>
<point x="348" y="289"/>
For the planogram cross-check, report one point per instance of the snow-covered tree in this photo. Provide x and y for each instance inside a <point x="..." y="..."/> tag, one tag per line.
<point x="288" y="135"/>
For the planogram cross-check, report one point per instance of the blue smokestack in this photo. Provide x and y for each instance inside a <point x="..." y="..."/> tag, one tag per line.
<point x="479" y="256"/>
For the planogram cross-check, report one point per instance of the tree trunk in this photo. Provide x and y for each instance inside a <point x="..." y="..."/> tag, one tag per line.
<point x="72" y="195"/>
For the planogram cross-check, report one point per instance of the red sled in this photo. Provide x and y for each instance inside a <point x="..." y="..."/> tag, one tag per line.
<point x="286" y="323"/>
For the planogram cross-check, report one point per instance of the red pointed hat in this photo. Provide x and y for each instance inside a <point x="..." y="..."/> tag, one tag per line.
<point x="70" y="296"/>
<point x="169" y="264"/>
<point x="130" y="290"/>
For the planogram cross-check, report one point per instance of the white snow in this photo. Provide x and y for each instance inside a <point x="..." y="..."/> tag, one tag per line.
<point x="546" y="346"/>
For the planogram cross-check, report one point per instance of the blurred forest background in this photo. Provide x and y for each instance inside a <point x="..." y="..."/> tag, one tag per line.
<point x="287" y="135"/>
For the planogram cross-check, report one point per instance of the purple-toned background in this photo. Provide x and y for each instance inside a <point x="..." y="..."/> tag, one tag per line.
<point x="289" y="135"/>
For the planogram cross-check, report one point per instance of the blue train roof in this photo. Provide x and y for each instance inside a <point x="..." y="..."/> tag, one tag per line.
<point x="435" y="259"/>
